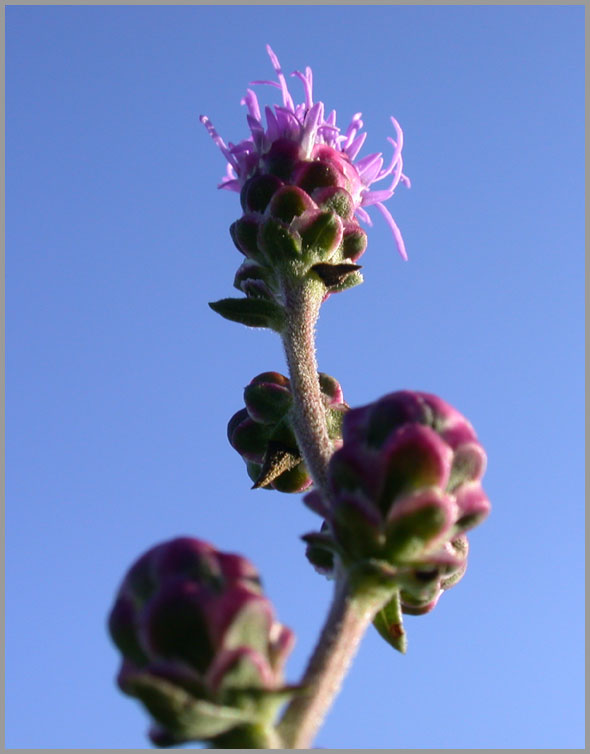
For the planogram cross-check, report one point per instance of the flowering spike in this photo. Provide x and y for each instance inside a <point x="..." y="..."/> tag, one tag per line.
<point x="314" y="136"/>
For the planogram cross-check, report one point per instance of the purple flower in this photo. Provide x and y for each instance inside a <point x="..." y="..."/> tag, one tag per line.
<point x="311" y="135"/>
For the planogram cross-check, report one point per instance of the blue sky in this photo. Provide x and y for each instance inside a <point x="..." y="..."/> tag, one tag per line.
<point x="120" y="379"/>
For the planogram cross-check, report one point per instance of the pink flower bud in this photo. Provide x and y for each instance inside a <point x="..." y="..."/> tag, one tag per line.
<point x="406" y="486"/>
<point x="192" y="624"/>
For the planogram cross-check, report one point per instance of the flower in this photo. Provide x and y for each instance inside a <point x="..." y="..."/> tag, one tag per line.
<point x="201" y="647"/>
<point x="406" y="486"/>
<point x="297" y="136"/>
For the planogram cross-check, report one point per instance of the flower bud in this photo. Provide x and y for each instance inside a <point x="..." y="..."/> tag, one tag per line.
<point x="244" y="233"/>
<point x="405" y="487"/>
<point x="263" y="435"/>
<point x="201" y="647"/>
<point x="257" y="192"/>
<point x="290" y="202"/>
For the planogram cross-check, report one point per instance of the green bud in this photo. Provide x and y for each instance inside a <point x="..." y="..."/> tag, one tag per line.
<point x="321" y="234"/>
<point x="244" y="233"/>
<point x="278" y="243"/>
<point x="290" y="202"/>
<point x="267" y="402"/>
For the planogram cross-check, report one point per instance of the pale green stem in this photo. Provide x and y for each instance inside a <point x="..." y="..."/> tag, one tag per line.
<point x="349" y="616"/>
<point x="347" y="621"/>
<point x="302" y="304"/>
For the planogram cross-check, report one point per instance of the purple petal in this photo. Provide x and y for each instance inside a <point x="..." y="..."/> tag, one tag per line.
<point x="372" y="197"/>
<point x="369" y="173"/>
<point x="307" y="79"/>
<point x="287" y="99"/>
<point x="312" y="120"/>
<point x="218" y="140"/>
<point x="368" y="162"/>
<point x="267" y="83"/>
<point x="272" y="126"/>
<point x="397" y="149"/>
<point x="401" y="247"/>
<point x="356" y="146"/>
<point x="354" y="127"/>
<point x="251" y="101"/>
<point x="364" y="216"/>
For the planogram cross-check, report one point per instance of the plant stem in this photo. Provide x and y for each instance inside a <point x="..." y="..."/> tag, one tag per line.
<point x="349" y="614"/>
<point x="347" y="621"/>
<point x="303" y="302"/>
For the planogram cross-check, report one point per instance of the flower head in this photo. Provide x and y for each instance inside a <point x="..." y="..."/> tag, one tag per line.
<point x="406" y="486"/>
<point x="201" y="646"/>
<point x="291" y="136"/>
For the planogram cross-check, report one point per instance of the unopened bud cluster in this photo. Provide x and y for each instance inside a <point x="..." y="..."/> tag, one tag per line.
<point x="263" y="435"/>
<point x="201" y="647"/>
<point x="406" y="487"/>
<point x="298" y="226"/>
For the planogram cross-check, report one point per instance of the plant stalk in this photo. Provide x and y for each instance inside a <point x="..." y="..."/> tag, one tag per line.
<point x="349" y="614"/>
<point x="347" y="621"/>
<point x="302" y="303"/>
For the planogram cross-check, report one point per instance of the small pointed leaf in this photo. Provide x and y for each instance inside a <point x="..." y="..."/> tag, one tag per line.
<point x="253" y="312"/>
<point x="389" y="623"/>
<point x="335" y="274"/>
<point x="277" y="460"/>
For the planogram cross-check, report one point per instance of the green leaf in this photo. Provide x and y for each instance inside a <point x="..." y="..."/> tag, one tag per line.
<point x="389" y="623"/>
<point x="253" y="312"/>
<point x="350" y="281"/>
<point x="184" y="716"/>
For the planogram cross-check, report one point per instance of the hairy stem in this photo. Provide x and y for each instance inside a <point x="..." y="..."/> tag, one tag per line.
<point x="349" y="616"/>
<point x="302" y="305"/>
<point x="347" y="621"/>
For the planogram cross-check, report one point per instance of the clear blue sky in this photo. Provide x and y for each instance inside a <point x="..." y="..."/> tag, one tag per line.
<point x="121" y="379"/>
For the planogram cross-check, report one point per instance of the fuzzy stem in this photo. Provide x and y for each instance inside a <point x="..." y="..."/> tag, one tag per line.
<point x="302" y="304"/>
<point x="350" y="615"/>
<point x="347" y="621"/>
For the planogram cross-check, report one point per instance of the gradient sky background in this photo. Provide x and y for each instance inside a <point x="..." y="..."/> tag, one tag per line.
<point x="121" y="379"/>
